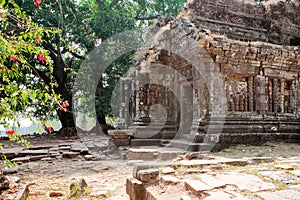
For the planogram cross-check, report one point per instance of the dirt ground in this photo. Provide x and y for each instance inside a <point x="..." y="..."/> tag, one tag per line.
<point x="106" y="179"/>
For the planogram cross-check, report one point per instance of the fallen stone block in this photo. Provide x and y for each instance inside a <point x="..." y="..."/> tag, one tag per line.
<point x="23" y="193"/>
<point x="80" y="147"/>
<point x="196" y="187"/>
<point x="141" y="154"/>
<point x="55" y="194"/>
<point x="69" y="155"/>
<point x="135" y="189"/>
<point x="139" y="167"/>
<point x="169" y="180"/>
<point x="168" y="170"/>
<point x="259" y="160"/>
<point x="147" y="175"/>
<point x="284" y="167"/>
<point x="14" y="170"/>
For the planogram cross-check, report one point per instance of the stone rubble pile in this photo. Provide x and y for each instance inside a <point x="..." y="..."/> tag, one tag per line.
<point x="187" y="180"/>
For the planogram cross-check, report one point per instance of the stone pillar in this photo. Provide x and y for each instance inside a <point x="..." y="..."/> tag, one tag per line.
<point x="270" y="95"/>
<point x="276" y="95"/>
<point x="199" y="122"/>
<point x="142" y="100"/>
<point x="251" y="93"/>
<point x="186" y="105"/>
<point x="281" y="99"/>
<point x="260" y="85"/>
<point x="298" y="97"/>
<point x="293" y="97"/>
<point x="127" y="95"/>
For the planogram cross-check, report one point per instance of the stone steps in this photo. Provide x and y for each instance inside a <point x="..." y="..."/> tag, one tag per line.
<point x="153" y="153"/>
<point x="191" y="146"/>
<point x="145" y="142"/>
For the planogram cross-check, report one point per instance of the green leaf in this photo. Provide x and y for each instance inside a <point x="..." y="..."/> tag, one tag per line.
<point x="2" y="2"/>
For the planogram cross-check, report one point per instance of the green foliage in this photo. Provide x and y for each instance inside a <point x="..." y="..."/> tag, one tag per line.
<point x="30" y="85"/>
<point x="20" y="46"/>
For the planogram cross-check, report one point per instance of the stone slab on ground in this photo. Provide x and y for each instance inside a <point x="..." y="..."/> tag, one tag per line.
<point x="169" y="180"/>
<point x="12" y="152"/>
<point x="21" y="159"/>
<point x="284" y="167"/>
<point x="245" y="182"/>
<point x="153" y="152"/>
<point x="219" y="195"/>
<point x="296" y="172"/>
<point x="19" y="193"/>
<point x="40" y="147"/>
<point x="282" y="195"/>
<point x="34" y="152"/>
<point x="23" y="193"/>
<point x="189" y="163"/>
<point x="196" y="187"/>
<point x="281" y="176"/>
<point x="259" y="160"/>
<point x="166" y="193"/>
<point x="211" y="181"/>
<point x="80" y="147"/>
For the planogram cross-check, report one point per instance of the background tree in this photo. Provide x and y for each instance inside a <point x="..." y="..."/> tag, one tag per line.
<point x="84" y="25"/>
<point x="20" y="46"/>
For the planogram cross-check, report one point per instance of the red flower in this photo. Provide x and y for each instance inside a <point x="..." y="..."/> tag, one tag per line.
<point x="65" y="105"/>
<point x="14" y="58"/>
<point x="37" y="2"/>
<point x="42" y="58"/>
<point x="38" y="38"/>
<point x="49" y="129"/>
<point x="10" y="132"/>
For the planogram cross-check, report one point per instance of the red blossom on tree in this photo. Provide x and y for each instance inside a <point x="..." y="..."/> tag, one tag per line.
<point x="37" y="2"/>
<point x="14" y="58"/>
<point x="65" y="105"/>
<point x="42" y="58"/>
<point x="38" y="38"/>
<point x="10" y="132"/>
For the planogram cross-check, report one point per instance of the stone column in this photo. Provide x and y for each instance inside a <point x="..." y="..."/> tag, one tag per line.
<point x="260" y="85"/>
<point x="251" y="93"/>
<point x="281" y="99"/>
<point x="270" y="95"/>
<point x="292" y="94"/>
<point x="276" y="95"/>
<point x="126" y="105"/>
<point x="298" y="97"/>
<point x="199" y="122"/>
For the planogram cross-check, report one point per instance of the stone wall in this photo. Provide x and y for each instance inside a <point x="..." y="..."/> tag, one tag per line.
<point x="275" y="21"/>
<point x="245" y="64"/>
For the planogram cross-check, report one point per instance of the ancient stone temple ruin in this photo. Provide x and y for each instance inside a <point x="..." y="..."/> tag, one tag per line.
<point x="228" y="69"/>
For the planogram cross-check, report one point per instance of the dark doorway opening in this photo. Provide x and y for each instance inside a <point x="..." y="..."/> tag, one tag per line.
<point x="295" y="41"/>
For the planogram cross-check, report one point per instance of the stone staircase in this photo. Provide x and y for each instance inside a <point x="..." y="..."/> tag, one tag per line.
<point x="235" y="130"/>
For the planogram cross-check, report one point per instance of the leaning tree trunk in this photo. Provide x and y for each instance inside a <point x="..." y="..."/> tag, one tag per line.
<point x="66" y="117"/>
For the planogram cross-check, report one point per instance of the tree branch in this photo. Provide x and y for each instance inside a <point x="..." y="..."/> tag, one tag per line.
<point x="42" y="75"/>
<point x="147" y="18"/>
<point x="75" y="54"/>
